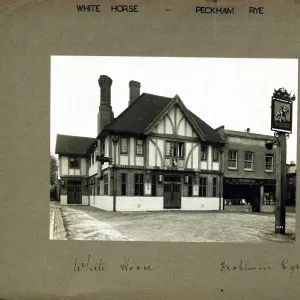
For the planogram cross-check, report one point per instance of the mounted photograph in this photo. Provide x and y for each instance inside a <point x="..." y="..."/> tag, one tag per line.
<point x="173" y="149"/>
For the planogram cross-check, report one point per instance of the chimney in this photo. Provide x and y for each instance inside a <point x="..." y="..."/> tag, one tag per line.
<point x="134" y="91"/>
<point x="105" y="114"/>
<point x="248" y="130"/>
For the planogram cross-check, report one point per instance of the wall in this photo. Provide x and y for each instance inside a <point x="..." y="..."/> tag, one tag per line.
<point x="63" y="199"/>
<point x="103" y="202"/>
<point x="124" y="203"/>
<point x="200" y="203"/>
<point x="241" y="208"/>
<point x="259" y="151"/>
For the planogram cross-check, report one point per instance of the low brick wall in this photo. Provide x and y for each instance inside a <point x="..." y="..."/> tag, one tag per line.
<point x="268" y="208"/>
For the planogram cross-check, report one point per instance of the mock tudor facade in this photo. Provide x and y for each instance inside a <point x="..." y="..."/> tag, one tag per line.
<point x="163" y="157"/>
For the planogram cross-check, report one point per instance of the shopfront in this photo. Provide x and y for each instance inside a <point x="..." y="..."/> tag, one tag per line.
<point x="248" y="194"/>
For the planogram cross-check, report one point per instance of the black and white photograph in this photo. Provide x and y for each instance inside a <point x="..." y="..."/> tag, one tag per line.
<point x="173" y="149"/>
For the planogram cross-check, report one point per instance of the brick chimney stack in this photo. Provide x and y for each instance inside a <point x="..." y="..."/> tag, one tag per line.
<point x="134" y="91"/>
<point x="105" y="114"/>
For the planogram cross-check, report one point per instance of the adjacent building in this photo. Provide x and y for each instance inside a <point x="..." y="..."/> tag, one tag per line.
<point x="291" y="184"/>
<point x="249" y="171"/>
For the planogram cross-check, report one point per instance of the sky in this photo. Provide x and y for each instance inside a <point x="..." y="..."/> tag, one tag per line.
<point x="232" y="92"/>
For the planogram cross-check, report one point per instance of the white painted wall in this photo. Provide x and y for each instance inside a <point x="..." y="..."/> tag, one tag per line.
<point x="103" y="202"/>
<point x="216" y="166"/>
<point x="132" y="151"/>
<point x="83" y="166"/>
<point x="168" y="129"/>
<point x="85" y="200"/>
<point x="151" y="154"/>
<point x="93" y="169"/>
<point x="203" y="165"/>
<point x="160" y="144"/>
<point x="209" y="158"/>
<point x="124" y="160"/>
<point x="63" y="199"/>
<point x="124" y="203"/>
<point x="160" y="128"/>
<point x="64" y="165"/>
<point x="200" y="203"/>
<point x="139" y="160"/>
<point x="195" y="157"/>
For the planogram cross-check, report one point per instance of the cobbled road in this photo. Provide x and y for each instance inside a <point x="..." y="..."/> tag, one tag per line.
<point x="88" y="223"/>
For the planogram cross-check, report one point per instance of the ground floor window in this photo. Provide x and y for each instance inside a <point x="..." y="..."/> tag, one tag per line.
<point x="153" y="186"/>
<point x="202" y="187"/>
<point x="105" y="178"/>
<point x="139" y="185"/>
<point x="190" y="187"/>
<point x="123" y="184"/>
<point x="215" y="187"/>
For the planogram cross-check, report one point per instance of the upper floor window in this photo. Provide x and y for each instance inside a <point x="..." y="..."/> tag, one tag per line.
<point x="74" y="163"/>
<point x="139" y="147"/>
<point x="204" y="153"/>
<point x="175" y="149"/>
<point x="269" y="162"/>
<point x="124" y="146"/>
<point x="232" y="159"/>
<point x="103" y="148"/>
<point x="215" y="154"/>
<point x="248" y="162"/>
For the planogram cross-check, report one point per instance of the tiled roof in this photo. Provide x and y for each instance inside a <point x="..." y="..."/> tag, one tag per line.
<point x="73" y="145"/>
<point x="144" y="110"/>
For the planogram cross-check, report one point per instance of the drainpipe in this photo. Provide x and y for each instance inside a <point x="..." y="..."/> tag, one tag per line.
<point x="115" y="141"/>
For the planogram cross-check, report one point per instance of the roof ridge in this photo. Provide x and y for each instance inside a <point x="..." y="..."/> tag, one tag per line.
<point x="77" y="136"/>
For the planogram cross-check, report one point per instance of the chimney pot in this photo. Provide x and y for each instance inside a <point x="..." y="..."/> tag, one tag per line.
<point x="134" y="91"/>
<point x="248" y="130"/>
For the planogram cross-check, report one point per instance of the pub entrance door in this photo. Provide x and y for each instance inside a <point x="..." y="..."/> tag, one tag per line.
<point x="172" y="192"/>
<point x="74" y="191"/>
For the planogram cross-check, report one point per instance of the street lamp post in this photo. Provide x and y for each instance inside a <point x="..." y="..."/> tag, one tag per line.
<point x="115" y="140"/>
<point x="281" y="124"/>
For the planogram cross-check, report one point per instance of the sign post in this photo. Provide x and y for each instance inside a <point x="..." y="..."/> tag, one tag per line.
<point x="281" y="124"/>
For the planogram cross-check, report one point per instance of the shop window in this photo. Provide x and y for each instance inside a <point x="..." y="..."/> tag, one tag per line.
<point x="204" y="153"/>
<point x="203" y="187"/>
<point x="232" y="159"/>
<point x="139" y="185"/>
<point x="248" y="162"/>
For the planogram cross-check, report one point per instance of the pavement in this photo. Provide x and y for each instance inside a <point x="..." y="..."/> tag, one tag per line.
<point x="57" y="228"/>
<point x="89" y="223"/>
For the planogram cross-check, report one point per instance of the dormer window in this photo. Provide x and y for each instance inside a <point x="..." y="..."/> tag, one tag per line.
<point x="175" y="149"/>
<point x="124" y="146"/>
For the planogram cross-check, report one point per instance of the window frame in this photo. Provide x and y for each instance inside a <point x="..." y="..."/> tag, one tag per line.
<point x="123" y="184"/>
<point x="247" y="161"/>
<point x="272" y="156"/>
<point x="105" y="182"/>
<point x="236" y="159"/>
<point x="76" y="159"/>
<point x="174" y="149"/>
<point x="203" y="187"/>
<point x="139" y="185"/>
<point x="154" y="185"/>
<point x="214" y="186"/>
<point x="122" y="139"/>
<point x="137" y="146"/>
<point x="215" y="150"/>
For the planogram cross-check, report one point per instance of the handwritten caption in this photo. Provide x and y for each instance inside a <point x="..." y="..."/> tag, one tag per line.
<point x="100" y="265"/>
<point x="245" y="266"/>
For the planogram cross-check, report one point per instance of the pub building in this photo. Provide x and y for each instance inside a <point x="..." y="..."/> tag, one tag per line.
<point x="249" y="182"/>
<point x="156" y="155"/>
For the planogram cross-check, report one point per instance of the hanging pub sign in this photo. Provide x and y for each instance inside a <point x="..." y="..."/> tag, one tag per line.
<point x="282" y="111"/>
